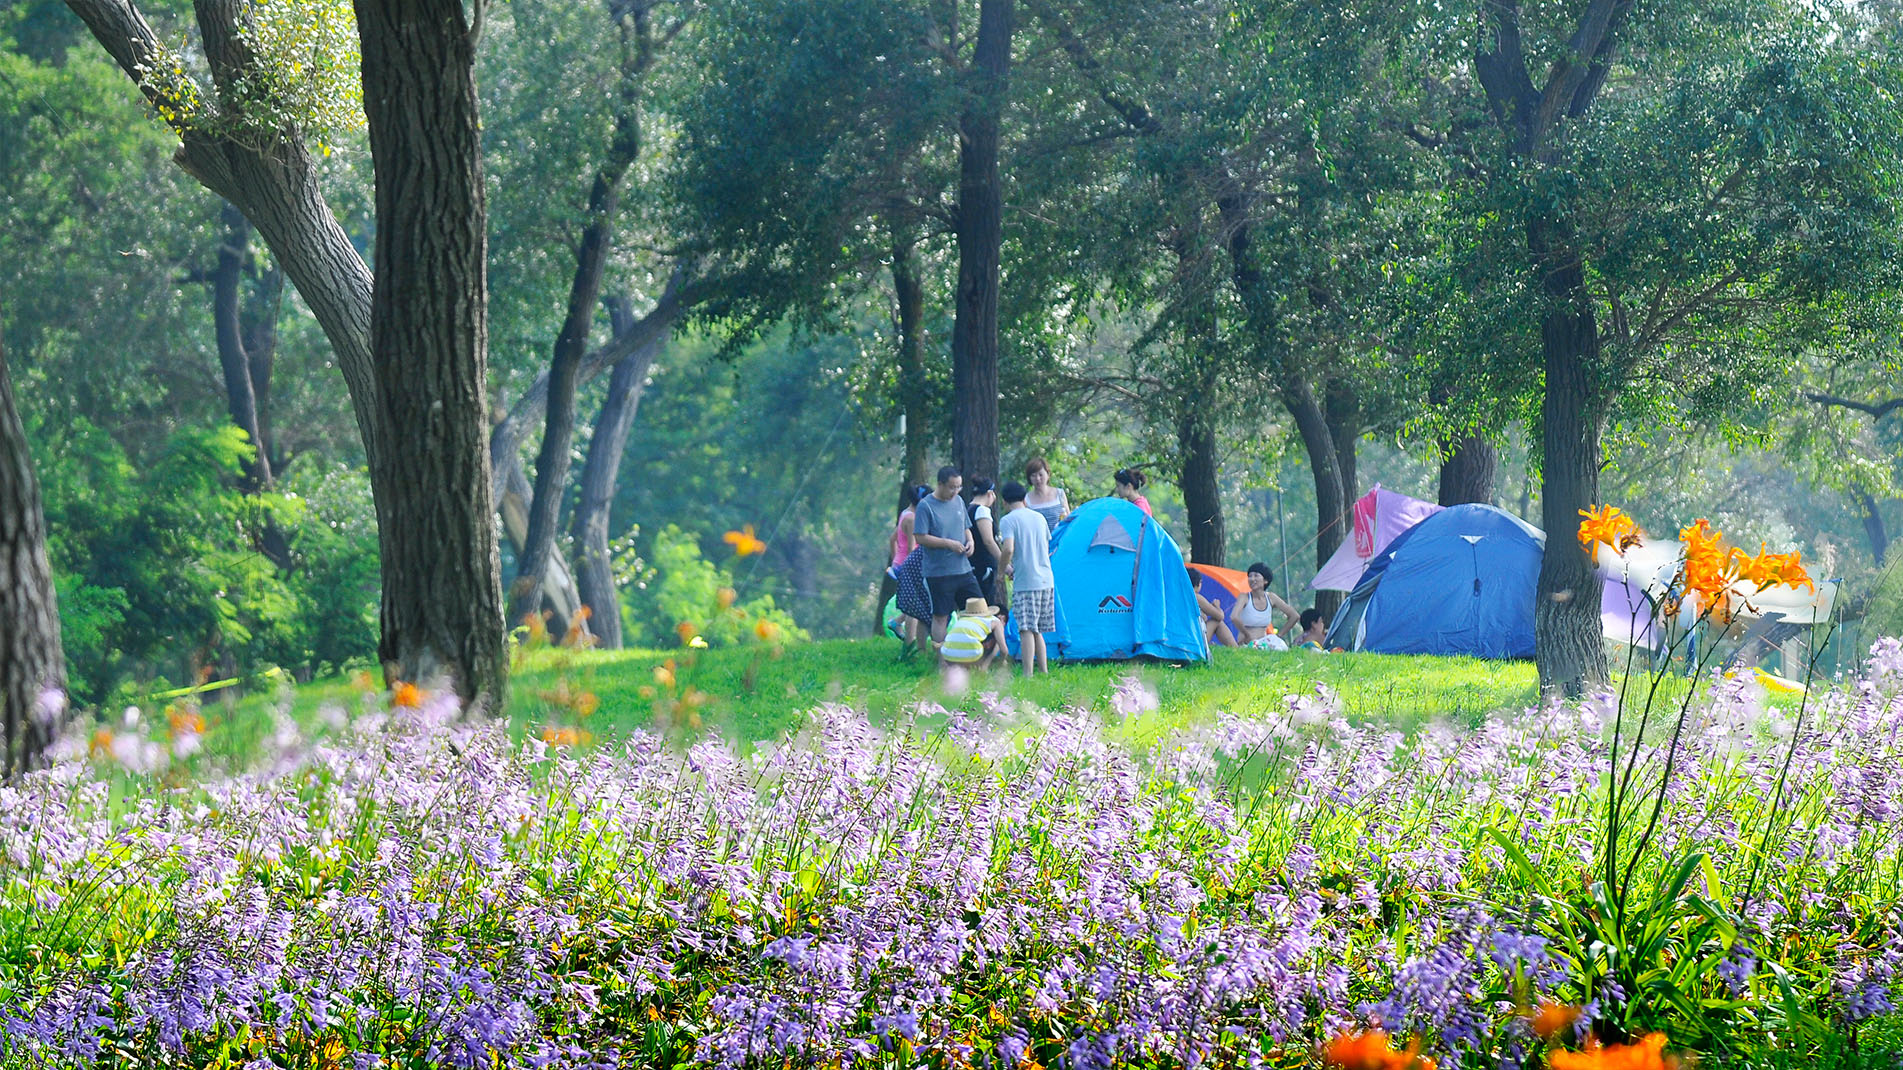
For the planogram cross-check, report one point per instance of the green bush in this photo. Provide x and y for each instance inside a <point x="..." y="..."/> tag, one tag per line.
<point x="680" y="586"/>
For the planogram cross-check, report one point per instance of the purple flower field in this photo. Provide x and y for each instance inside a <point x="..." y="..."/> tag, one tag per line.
<point x="403" y="890"/>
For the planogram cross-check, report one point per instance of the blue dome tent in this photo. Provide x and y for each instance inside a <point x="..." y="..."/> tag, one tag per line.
<point x="1121" y="589"/>
<point x="1459" y="582"/>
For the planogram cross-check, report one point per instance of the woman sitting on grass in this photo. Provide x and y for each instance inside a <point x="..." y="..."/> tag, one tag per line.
<point x="1254" y="614"/>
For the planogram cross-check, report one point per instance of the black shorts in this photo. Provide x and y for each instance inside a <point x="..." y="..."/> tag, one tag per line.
<point x="949" y="593"/>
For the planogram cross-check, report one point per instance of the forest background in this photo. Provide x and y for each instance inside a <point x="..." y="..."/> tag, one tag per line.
<point x="1220" y="224"/>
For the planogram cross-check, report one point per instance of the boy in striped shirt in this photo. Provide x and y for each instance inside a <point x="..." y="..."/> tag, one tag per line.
<point x="974" y="638"/>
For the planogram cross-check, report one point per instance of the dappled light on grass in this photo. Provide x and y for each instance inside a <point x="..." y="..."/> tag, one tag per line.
<point x="408" y="887"/>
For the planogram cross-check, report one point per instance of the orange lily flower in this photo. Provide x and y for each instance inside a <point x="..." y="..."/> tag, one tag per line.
<point x="1370" y="1051"/>
<point x="1647" y="1054"/>
<point x="1607" y="524"/>
<point x="745" y="543"/>
<point x="1551" y="1018"/>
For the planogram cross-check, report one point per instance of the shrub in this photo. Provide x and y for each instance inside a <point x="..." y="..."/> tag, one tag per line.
<point x="681" y="587"/>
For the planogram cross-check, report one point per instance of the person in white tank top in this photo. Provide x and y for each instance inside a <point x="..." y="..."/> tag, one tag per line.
<point x="1254" y="614"/>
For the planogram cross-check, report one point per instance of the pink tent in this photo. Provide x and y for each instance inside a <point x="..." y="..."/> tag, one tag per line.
<point x="1380" y="515"/>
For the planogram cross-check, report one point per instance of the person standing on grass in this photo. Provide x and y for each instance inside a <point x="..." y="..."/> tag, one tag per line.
<point x="984" y="539"/>
<point x="1025" y="540"/>
<point x="911" y="629"/>
<point x="1051" y="502"/>
<point x="942" y="529"/>
<point x="1129" y="487"/>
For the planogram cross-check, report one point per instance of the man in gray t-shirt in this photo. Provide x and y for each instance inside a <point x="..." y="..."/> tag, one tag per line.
<point x="942" y="528"/>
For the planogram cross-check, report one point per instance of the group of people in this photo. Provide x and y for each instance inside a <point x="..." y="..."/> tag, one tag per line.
<point x="959" y="555"/>
<point x="1251" y="620"/>
<point x="953" y="554"/>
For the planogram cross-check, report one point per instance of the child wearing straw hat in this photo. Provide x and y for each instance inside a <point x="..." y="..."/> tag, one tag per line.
<point x="974" y="637"/>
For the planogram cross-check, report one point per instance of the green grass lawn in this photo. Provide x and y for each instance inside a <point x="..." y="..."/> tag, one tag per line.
<point x="750" y="693"/>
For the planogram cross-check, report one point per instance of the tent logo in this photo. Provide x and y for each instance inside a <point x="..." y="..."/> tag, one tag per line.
<point x="1114" y="603"/>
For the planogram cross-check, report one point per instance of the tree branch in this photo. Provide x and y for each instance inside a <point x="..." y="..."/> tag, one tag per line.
<point x="1502" y="72"/>
<point x="1131" y="111"/>
<point x="1877" y="410"/>
<point x="1587" y="52"/>
<point x="505" y="439"/>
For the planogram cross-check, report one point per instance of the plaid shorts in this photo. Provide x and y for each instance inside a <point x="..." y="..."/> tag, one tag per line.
<point x="1036" y="611"/>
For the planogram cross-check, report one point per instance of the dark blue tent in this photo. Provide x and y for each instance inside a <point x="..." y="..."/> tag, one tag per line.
<point x="1121" y="589"/>
<point x="1459" y="582"/>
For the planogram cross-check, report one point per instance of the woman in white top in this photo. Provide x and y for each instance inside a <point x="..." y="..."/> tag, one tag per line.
<point x="1050" y="501"/>
<point x="1254" y="614"/>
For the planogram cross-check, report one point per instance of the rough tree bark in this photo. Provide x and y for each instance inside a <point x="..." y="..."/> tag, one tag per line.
<point x="31" y="662"/>
<point x="980" y="232"/>
<point x="442" y="598"/>
<point x="1202" y="496"/>
<point x="1569" y="649"/>
<point x="558" y="435"/>
<point x="600" y="472"/>
<point x="272" y="179"/>
<point x="1468" y="472"/>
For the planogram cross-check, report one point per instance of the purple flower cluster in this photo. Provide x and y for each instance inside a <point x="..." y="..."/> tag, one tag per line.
<point x="405" y="886"/>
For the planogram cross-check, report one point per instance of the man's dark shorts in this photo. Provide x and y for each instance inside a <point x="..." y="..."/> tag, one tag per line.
<point x="949" y="593"/>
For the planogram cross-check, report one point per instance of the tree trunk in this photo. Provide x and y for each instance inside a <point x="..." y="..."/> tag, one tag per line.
<point x="1297" y="395"/>
<point x="1331" y="502"/>
<point x="560" y="597"/>
<point x="31" y="662"/>
<point x="505" y="439"/>
<point x="442" y="597"/>
<point x="260" y="347"/>
<point x="915" y="395"/>
<point x="444" y="613"/>
<point x="1570" y="649"/>
<point x="980" y="229"/>
<point x="1202" y="496"/>
<point x="1873" y="526"/>
<point x="1467" y="474"/>
<point x="595" y="571"/>
<point x="273" y="181"/>
<point x="1342" y="403"/>
<point x="564" y="376"/>
<point x="227" y="283"/>
<point x="245" y="347"/>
